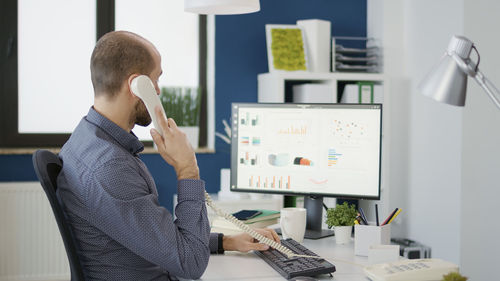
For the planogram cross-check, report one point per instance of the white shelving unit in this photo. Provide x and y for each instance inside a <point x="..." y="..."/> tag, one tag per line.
<point x="272" y="87"/>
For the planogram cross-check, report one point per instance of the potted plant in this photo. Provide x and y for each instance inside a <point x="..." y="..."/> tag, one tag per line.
<point x="183" y="105"/>
<point x="341" y="218"/>
<point x="454" y="276"/>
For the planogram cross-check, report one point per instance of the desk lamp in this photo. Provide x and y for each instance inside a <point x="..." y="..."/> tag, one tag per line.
<point x="221" y="7"/>
<point x="447" y="81"/>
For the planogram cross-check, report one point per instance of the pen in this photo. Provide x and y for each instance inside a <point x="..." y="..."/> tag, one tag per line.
<point x="376" y="213"/>
<point x="395" y="215"/>
<point x="390" y="216"/>
<point x="359" y="219"/>
<point x="363" y="216"/>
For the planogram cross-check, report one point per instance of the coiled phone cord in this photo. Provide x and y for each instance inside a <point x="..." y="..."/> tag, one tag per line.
<point x="261" y="238"/>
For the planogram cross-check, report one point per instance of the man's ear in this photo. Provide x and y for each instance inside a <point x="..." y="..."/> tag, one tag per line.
<point x="129" y="83"/>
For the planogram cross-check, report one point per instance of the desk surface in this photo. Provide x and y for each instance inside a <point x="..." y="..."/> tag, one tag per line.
<point x="248" y="266"/>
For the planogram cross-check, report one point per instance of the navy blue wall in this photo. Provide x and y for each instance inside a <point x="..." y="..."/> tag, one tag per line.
<point x="240" y="55"/>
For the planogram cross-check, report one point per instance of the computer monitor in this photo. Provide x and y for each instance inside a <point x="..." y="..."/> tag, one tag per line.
<point x="315" y="150"/>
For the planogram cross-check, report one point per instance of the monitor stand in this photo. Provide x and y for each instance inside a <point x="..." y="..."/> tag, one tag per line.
<point x="314" y="207"/>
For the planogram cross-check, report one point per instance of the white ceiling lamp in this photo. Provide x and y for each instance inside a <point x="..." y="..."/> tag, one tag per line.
<point x="221" y="7"/>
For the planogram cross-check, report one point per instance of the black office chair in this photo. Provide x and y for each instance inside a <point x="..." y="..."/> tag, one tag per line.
<point x="47" y="167"/>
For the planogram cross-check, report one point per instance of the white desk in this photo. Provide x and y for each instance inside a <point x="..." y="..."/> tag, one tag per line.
<point x="240" y="266"/>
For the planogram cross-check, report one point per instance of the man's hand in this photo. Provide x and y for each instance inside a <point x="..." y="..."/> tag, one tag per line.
<point x="244" y="242"/>
<point x="175" y="148"/>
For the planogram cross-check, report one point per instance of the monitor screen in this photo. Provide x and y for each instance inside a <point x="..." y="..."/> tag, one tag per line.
<point x="329" y="150"/>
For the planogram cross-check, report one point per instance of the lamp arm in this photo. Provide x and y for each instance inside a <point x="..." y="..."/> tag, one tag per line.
<point x="488" y="86"/>
<point x="471" y="69"/>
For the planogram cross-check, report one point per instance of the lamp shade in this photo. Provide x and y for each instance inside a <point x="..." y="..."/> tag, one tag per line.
<point x="221" y="7"/>
<point x="447" y="81"/>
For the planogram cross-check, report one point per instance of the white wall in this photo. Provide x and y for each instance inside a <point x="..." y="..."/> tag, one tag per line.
<point x="385" y="22"/>
<point x="435" y="131"/>
<point x="480" y="245"/>
<point x="425" y="139"/>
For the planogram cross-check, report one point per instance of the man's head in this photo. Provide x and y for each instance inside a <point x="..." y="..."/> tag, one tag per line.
<point x="117" y="58"/>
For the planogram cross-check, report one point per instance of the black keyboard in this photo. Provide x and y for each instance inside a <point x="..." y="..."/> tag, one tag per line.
<point x="293" y="267"/>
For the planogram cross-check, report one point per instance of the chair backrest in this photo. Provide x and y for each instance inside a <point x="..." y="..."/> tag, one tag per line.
<point x="47" y="167"/>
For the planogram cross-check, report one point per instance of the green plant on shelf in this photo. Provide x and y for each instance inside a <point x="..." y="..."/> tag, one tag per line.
<point x="454" y="276"/>
<point x="182" y="104"/>
<point x="341" y="215"/>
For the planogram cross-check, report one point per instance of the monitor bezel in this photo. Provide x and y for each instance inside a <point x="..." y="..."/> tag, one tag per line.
<point x="234" y="147"/>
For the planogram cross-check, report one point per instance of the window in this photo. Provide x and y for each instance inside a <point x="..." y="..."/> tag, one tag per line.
<point x="177" y="43"/>
<point x="53" y="64"/>
<point x="45" y="54"/>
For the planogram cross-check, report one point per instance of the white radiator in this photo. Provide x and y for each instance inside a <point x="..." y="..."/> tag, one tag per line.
<point x="31" y="246"/>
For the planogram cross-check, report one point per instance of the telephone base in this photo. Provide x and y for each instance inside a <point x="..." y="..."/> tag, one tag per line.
<point x="313" y="234"/>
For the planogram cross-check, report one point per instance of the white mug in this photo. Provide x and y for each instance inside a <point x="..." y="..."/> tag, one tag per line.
<point x="293" y="223"/>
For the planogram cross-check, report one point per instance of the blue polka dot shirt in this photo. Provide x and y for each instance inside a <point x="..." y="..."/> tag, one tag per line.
<point x="111" y="201"/>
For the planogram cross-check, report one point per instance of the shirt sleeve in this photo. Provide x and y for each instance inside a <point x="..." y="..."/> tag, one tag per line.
<point x="123" y="206"/>
<point x="215" y="243"/>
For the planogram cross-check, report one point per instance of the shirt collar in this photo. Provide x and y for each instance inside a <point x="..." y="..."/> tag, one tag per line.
<point x="128" y="140"/>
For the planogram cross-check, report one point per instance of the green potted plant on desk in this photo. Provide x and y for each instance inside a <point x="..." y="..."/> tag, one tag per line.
<point x="341" y="218"/>
<point x="183" y="105"/>
<point x="454" y="276"/>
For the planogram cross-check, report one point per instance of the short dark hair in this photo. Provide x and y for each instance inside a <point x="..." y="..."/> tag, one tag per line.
<point x="116" y="56"/>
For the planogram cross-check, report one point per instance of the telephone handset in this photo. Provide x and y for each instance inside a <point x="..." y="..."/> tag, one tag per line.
<point x="143" y="88"/>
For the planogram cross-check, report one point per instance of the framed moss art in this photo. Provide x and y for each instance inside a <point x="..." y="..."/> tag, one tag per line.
<point x="286" y="48"/>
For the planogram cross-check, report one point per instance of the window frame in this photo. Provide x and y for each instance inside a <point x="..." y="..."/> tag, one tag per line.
<point x="9" y="90"/>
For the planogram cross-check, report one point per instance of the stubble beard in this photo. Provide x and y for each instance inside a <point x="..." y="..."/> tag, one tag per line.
<point x="142" y="117"/>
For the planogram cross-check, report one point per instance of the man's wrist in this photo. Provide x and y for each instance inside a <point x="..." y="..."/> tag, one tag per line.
<point x="227" y="243"/>
<point x="192" y="172"/>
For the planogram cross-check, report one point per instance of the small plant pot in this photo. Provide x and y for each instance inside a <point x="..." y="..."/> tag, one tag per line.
<point x="342" y="234"/>
<point x="192" y="133"/>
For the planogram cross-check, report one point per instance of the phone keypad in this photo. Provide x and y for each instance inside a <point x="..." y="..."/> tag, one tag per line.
<point x="392" y="269"/>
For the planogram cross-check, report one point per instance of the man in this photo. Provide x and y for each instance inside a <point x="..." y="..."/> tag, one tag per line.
<point x="110" y="197"/>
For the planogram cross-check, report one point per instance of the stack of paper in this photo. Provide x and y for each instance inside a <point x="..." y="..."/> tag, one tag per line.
<point x="265" y="219"/>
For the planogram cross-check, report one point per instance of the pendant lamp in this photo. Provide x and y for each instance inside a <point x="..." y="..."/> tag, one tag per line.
<point x="221" y="7"/>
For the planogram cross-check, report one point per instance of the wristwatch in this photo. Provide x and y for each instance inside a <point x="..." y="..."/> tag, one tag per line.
<point x="220" y="247"/>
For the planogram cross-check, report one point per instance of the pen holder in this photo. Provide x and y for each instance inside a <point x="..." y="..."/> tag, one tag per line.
<point x="368" y="235"/>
